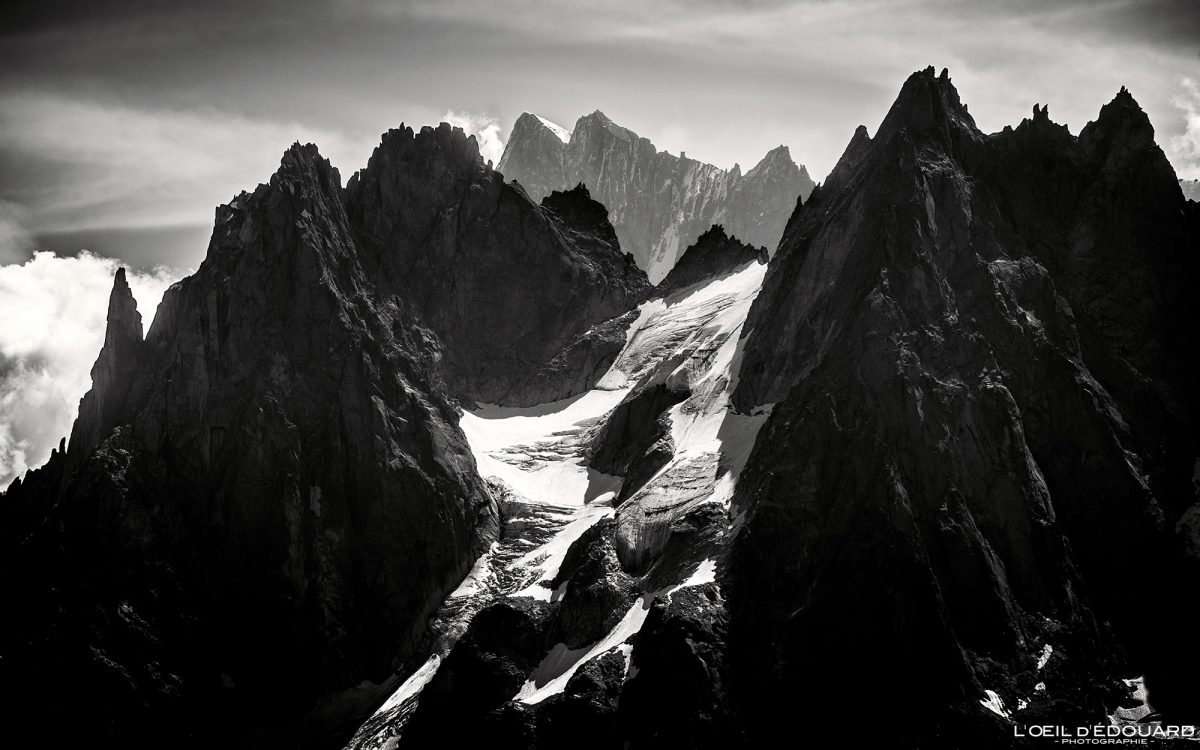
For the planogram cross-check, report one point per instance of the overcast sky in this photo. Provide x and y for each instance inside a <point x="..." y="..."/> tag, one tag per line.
<point x="123" y="123"/>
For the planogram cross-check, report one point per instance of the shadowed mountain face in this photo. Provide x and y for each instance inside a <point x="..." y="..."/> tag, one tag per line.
<point x="504" y="285"/>
<point x="715" y="253"/>
<point x="264" y="500"/>
<point x="660" y="204"/>
<point x="980" y="353"/>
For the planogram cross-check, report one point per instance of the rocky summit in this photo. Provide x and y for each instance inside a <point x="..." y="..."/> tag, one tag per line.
<point x="660" y="203"/>
<point x="977" y="353"/>
<point x="421" y="461"/>
<point x="714" y="254"/>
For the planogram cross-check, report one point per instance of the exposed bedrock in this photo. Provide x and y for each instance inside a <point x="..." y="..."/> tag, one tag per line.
<point x="983" y="427"/>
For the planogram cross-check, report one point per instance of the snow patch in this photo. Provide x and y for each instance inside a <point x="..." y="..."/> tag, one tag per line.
<point x="706" y="572"/>
<point x="413" y="685"/>
<point x="475" y="578"/>
<point x="1045" y="657"/>
<point x="536" y="450"/>
<point x="555" y="671"/>
<point x="626" y="650"/>
<point x="562" y="133"/>
<point x="994" y="703"/>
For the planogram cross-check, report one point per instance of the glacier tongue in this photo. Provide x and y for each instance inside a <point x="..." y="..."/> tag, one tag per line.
<point x="537" y="458"/>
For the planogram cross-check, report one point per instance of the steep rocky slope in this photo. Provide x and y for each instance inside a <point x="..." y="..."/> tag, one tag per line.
<point x="978" y="355"/>
<point x="265" y="499"/>
<point x="506" y="286"/>
<point x="659" y="203"/>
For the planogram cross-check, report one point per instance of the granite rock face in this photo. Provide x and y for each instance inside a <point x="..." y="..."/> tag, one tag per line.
<point x="977" y="354"/>
<point x="659" y="203"/>
<point x="506" y="285"/>
<point x="265" y="499"/>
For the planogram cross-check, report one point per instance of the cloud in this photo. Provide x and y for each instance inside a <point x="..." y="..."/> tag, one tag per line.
<point x="486" y="130"/>
<point x="1184" y="149"/>
<point x="54" y="311"/>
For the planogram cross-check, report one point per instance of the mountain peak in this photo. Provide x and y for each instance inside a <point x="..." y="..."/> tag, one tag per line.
<point x="779" y="153"/>
<point x="559" y="131"/>
<point x="113" y="370"/>
<point x="580" y="212"/>
<point x="1122" y="122"/>
<point x="531" y="122"/>
<point x="1124" y="105"/>
<point x="779" y="156"/>
<point x="124" y="320"/>
<point x="597" y="122"/>
<point x="459" y="150"/>
<point x="305" y="160"/>
<point x="713" y="254"/>
<point x="927" y="104"/>
<point x="856" y="149"/>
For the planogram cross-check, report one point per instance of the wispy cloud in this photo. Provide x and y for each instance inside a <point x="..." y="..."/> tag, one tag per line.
<point x="486" y="130"/>
<point x="54" y="312"/>
<point x="733" y="77"/>
<point x="90" y="164"/>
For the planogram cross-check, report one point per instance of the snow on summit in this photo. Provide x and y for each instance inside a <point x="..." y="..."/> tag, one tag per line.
<point x="563" y="134"/>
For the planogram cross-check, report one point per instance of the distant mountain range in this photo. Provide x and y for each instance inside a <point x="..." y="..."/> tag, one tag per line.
<point x="659" y="203"/>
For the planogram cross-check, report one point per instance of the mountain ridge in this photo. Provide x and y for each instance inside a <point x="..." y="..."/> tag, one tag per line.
<point x="660" y="203"/>
<point x="265" y="499"/>
<point x="985" y="389"/>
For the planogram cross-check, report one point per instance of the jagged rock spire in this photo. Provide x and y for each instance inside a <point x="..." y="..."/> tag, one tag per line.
<point x="926" y="104"/>
<point x="713" y="254"/>
<point x="113" y="372"/>
<point x="124" y="320"/>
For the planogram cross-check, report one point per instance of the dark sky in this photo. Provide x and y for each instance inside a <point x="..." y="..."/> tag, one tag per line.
<point x="122" y="124"/>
